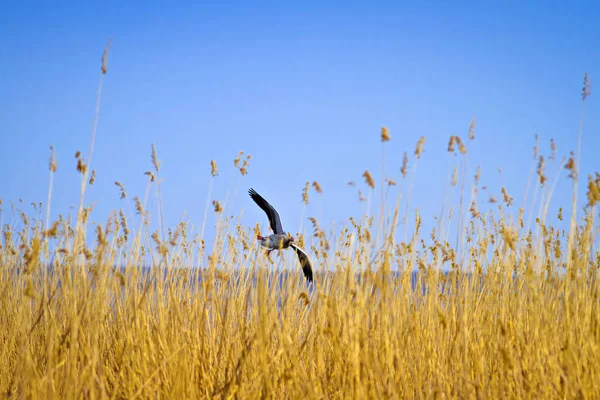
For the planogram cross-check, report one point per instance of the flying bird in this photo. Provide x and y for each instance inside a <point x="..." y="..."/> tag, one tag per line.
<point x="279" y="239"/>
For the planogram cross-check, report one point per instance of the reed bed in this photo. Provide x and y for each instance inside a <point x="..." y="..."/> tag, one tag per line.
<point x="500" y="311"/>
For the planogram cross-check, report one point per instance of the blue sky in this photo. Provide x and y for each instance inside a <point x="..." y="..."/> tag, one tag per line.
<point x="303" y="87"/>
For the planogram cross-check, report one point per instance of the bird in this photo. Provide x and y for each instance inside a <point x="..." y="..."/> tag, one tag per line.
<point x="279" y="239"/>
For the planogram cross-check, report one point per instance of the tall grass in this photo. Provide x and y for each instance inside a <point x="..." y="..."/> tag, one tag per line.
<point x="505" y="320"/>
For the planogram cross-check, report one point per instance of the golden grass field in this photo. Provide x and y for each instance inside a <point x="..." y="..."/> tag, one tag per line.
<point x="518" y="316"/>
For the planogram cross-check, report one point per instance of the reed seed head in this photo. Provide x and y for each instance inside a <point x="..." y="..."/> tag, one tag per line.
<point x="361" y="197"/>
<point x="217" y="206"/>
<point x="593" y="192"/>
<point x="150" y="175"/>
<point x="81" y="167"/>
<point x="507" y="199"/>
<point x="454" y="176"/>
<point x="510" y="237"/>
<point x="385" y="135"/>
<point x="472" y="129"/>
<point x="317" y="187"/>
<point x="587" y="87"/>
<point x="122" y="188"/>
<point x="404" y="168"/>
<point x="451" y="144"/>
<point x="473" y="209"/>
<point x="456" y="141"/>
<point x="104" y="67"/>
<point x="419" y="149"/>
<point x="540" y="170"/>
<point x="369" y="179"/>
<point x="123" y="222"/>
<point x="305" y="193"/>
<point x="570" y="165"/>
<point x="461" y="147"/>
<point x="304" y="297"/>
<point x="154" y="158"/>
<point x="213" y="168"/>
<point x="245" y="164"/>
<point x="536" y="148"/>
<point x="52" y="231"/>
<point x="138" y="205"/>
<point x="53" y="165"/>
<point x="236" y="161"/>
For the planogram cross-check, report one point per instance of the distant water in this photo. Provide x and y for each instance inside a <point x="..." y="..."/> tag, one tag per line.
<point x="275" y="279"/>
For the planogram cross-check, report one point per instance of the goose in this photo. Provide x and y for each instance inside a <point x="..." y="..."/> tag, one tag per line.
<point x="279" y="239"/>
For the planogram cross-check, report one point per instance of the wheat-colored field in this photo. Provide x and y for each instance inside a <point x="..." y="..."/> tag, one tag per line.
<point x="515" y="314"/>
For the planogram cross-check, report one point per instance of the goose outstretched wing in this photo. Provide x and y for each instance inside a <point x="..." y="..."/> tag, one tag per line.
<point x="271" y="212"/>
<point x="304" y="261"/>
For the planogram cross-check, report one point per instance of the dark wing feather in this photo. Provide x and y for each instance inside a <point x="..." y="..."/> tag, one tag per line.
<point x="271" y="212"/>
<point x="304" y="261"/>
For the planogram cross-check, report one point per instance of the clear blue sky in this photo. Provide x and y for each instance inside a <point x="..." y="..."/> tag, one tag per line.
<point x="304" y="87"/>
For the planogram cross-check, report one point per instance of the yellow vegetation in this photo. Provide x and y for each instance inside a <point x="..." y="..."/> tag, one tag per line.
<point x="506" y="321"/>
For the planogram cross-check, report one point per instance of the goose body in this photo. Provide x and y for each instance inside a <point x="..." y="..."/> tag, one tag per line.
<point x="275" y="241"/>
<point x="279" y="239"/>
